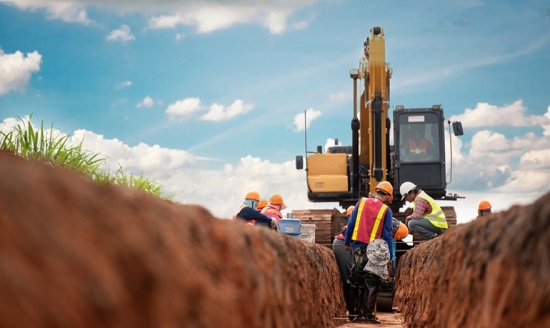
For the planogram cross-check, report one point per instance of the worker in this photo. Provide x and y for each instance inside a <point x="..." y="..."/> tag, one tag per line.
<point x="417" y="147"/>
<point x="248" y="213"/>
<point x="370" y="221"/>
<point x="427" y="219"/>
<point x="484" y="208"/>
<point x="261" y="205"/>
<point x="274" y="207"/>
<point x="344" y="260"/>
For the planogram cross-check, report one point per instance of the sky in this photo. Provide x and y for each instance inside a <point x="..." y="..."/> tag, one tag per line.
<point x="208" y="97"/>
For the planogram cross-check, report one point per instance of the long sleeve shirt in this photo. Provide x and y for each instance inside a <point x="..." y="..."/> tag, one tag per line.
<point x="386" y="232"/>
<point x="248" y="213"/>
<point x="421" y="208"/>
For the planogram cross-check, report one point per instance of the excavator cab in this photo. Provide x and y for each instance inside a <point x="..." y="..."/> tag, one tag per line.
<point x="419" y="148"/>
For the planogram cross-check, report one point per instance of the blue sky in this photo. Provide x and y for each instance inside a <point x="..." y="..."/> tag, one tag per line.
<point x="207" y="97"/>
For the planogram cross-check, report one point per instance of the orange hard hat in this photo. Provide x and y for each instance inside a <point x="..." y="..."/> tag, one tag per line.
<point x="401" y="232"/>
<point x="276" y="199"/>
<point x="261" y="204"/>
<point x="484" y="205"/>
<point x="350" y="210"/>
<point x="385" y="186"/>
<point x="254" y="195"/>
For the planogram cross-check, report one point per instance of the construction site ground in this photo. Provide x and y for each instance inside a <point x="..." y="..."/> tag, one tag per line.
<point x="387" y="320"/>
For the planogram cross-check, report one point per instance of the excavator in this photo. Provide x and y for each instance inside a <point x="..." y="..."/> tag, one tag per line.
<point x="344" y="174"/>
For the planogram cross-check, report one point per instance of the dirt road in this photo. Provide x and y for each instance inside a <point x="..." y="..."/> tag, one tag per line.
<point x="387" y="320"/>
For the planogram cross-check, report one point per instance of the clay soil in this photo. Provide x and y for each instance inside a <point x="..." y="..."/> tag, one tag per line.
<point x="77" y="254"/>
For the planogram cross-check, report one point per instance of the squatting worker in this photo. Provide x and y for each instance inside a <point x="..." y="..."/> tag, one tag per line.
<point x="427" y="218"/>
<point x="371" y="219"/>
<point x="248" y="213"/>
<point x="484" y="208"/>
<point x="344" y="260"/>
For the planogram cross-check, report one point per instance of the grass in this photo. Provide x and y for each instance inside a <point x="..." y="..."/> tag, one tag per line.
<point x="55" y="149"/>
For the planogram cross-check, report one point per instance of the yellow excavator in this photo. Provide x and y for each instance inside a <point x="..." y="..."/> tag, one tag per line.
<point x="343" y="174"/>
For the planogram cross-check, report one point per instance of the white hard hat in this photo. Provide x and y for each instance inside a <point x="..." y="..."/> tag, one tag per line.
<point x="405" y="188"/>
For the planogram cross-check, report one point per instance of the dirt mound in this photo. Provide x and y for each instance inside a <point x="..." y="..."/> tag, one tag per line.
<point x="76" y="254"/>
<point x="491" y="272"/>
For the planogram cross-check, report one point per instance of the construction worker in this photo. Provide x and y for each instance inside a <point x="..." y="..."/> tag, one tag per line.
<point x="370" y="223"/>
<point x="344" y="260"/>
<point x="248" y="213"/>
<point x="274" y="208"/>
<point x="261" y="205"/>
<point x="427" y="218"/>
<point x="484" y="208"/>
<point x="417" y="147"/>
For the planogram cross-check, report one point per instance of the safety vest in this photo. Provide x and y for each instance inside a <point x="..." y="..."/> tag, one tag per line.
<point x="369" y="222"/>
<point x="418" y="147"/>
<point x="436" y="216"/>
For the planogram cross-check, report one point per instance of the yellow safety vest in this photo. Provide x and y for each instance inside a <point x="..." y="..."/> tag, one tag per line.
<point x="436" y="216"/>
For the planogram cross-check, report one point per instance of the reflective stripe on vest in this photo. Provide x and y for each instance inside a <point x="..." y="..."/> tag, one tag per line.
<point x="436" y="216"/>
<point x="369" y="221"/>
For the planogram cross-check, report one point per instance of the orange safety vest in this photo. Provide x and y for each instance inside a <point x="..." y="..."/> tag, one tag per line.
<point x="418" y="147"/>
<point x="369" y="222"/>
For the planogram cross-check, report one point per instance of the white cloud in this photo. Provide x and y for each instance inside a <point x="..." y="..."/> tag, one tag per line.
<point x="217" y="112"/>
<point x="146" y="102"/>
<point x="340" y="96"/>
<point x="123" y="34"/>
<point x="124" y="84"/>
<point x="485" y="115"/>
<point x="303" y="120"/>
<point x="184" y="109"/>
<point x="16" y="70"/>
<point x="204" y="16"/>
<point x="179" y="36"/>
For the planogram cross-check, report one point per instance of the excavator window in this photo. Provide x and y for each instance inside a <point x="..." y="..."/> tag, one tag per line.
<point x="419" y="142"/>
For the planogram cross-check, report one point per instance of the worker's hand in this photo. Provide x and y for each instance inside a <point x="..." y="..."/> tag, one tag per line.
<point x="274" y="223"/>
<point x="347" y="247"/>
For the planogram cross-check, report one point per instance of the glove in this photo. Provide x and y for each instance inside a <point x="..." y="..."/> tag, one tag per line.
<point x="274" y="223"/>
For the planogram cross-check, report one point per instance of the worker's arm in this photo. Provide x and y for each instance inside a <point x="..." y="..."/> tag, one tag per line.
<point x="350" y="227"/>
<point x="420" y="206"/>
<point x="387" y="234"/>
<point x="248" y="213"/>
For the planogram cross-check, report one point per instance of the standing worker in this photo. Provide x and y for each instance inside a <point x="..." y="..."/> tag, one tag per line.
<point x="274" y="208"/>
<point x="428" y="218"/>
<point x="248" y="213"/>
<point x="484" y="208"/>
<point x="370" y="220"/>
<point x="344" y="260"/>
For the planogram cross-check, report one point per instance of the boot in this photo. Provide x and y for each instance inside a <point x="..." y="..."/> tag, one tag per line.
<point x="348" y="295"/>
<point x="372" y="292"/>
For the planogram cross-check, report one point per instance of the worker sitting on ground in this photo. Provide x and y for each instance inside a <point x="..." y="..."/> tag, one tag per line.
<point x="274" y="208"/>
<point x="370" y="224"/>
<point x="344" y="261"/>
<point x="484" y="208"/>
<point x="248" y="212"/>
<point x="427" y="218"/>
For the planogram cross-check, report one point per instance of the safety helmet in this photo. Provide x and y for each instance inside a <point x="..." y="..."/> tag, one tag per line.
<point x="261" y="204"/>
<point x="402" y="232"/>
<point x="276" y="199"/>
<point x="385" y="186"/>
<point x="405" y="188"/>
<point x="350" y="210"/>
<point x="484" y="205"/>
<point x="254" y="195"/>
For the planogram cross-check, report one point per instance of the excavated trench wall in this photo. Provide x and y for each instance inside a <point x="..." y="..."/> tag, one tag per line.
<point x="491" y="272"/>
<point x="77" y="254"/>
